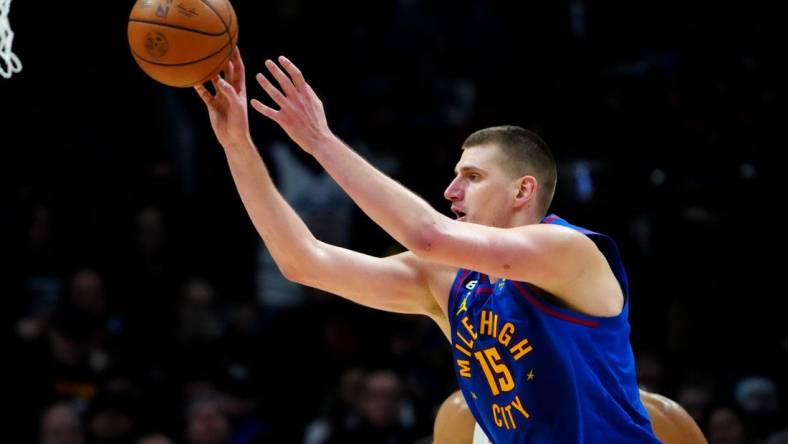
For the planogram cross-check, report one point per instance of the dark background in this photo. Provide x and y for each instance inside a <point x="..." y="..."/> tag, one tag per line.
<point x="663" y="116"/>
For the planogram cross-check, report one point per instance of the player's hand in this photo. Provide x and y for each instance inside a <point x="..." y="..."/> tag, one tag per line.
<point x="300" y="112"/>
<point x="227" y="109"/>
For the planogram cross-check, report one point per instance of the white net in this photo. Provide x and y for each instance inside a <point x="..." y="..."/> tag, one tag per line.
<point x="9" y="62"/>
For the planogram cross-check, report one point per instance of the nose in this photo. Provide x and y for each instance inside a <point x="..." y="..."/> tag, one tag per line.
<point x="454" y="190"/>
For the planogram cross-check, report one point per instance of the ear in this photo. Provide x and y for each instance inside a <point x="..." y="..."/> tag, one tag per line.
<point x="527" y="187"/>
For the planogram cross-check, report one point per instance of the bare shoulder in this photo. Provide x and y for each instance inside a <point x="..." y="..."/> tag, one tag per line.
<point x="575" y="270"/>
<point x="672" y="424"/>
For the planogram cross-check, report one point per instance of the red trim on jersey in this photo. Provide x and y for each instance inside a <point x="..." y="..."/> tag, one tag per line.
<point x="538" y="304"/>
<point x="549" y="219"/>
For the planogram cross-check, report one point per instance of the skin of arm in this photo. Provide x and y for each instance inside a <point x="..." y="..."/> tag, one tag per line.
<point x="557" y="259"/>
<point x="454" y="423"/>
<point x="397" y="283"/>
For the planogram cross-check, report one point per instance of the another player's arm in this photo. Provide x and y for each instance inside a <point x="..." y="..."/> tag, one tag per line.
<point x="395" y="283"/>
<point x="557" y="259"/>
<point x="670" y="422"/>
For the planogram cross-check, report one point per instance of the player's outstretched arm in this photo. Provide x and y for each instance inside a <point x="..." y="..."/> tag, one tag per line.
<point x="392" y="206"/>
<point x="555" y="258"/>
<point x="396" y="283"/>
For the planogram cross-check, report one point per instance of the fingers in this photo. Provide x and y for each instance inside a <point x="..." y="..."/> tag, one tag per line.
<point x="235" y="74"/>
<point x="215" y="83"/>
<point x="272" y="91"/>
<point x="206" y="96"/>
<point x="223" y="88"/>
<point x="235" y="78"/>
<point x="265" y="110"/>
<point x="238" y="62"/>
<point x="229" y="72"/>
<point x="281" y="78"/>
<point x="312" y="93"/>
<point x="294" y="72"/>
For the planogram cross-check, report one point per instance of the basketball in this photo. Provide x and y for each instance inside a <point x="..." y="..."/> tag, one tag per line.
<point x="182" y="43"/>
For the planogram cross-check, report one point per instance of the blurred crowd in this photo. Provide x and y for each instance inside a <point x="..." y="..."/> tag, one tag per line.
<point x="144" y="309"/>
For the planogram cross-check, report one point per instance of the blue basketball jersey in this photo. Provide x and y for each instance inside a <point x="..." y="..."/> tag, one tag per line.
<point x="534" y="372"/>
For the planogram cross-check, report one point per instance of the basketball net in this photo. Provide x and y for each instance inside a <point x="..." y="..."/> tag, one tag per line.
<point x="9" y="62"/>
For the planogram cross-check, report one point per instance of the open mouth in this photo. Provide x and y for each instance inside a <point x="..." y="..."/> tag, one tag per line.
<point x="459" y="214"/>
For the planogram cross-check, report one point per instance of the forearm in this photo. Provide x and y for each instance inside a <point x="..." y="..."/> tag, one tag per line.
<point x="395" y="283"/>
<point x="288" y="239"/>
<point x="404" y="215"/>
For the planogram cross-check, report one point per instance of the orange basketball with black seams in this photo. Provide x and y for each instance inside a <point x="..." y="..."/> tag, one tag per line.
<point x="182" y="43"/>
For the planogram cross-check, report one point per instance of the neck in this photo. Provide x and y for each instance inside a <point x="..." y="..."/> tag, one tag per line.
<point x="524" y="218"/>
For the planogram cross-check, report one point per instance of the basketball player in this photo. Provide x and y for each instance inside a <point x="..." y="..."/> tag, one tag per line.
<point x="535" y="307"/>
<point x="672" y="424"/>
<point x="454" y="423"/>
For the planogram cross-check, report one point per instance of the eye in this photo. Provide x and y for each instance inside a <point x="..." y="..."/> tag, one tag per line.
<point x="474" y="176"/>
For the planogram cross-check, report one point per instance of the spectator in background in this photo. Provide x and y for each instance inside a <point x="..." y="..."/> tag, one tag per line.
<point x="151" y="240"/>
<point x="341" y="409"/>
<point x="384" y="416"/>
<point x="198" y="320"/>
<point x="206" y="422"/>
<point x="42" y="253"/>
<point x="61" y="424"/>
<point x="196" y="355"/>
<point x="155" y="438"/>
<point x="71" y="371"/>
<point x="757" y="399"/>
<point x="55" y="363"/>
<point x="87" y="291"/>
<point x="696" y="399"/>
<point x="112" y="418"/>
<point x="43" y="286"/>
<point x="383" y="402"/>
<point x="726" y="427"/>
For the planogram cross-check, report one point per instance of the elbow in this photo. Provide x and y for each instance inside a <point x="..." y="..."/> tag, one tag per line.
<point x="298" y="274"/>
<point x="426" y="241"/>
<point x="299" y="266"/>
<point x="291" y="272"/>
